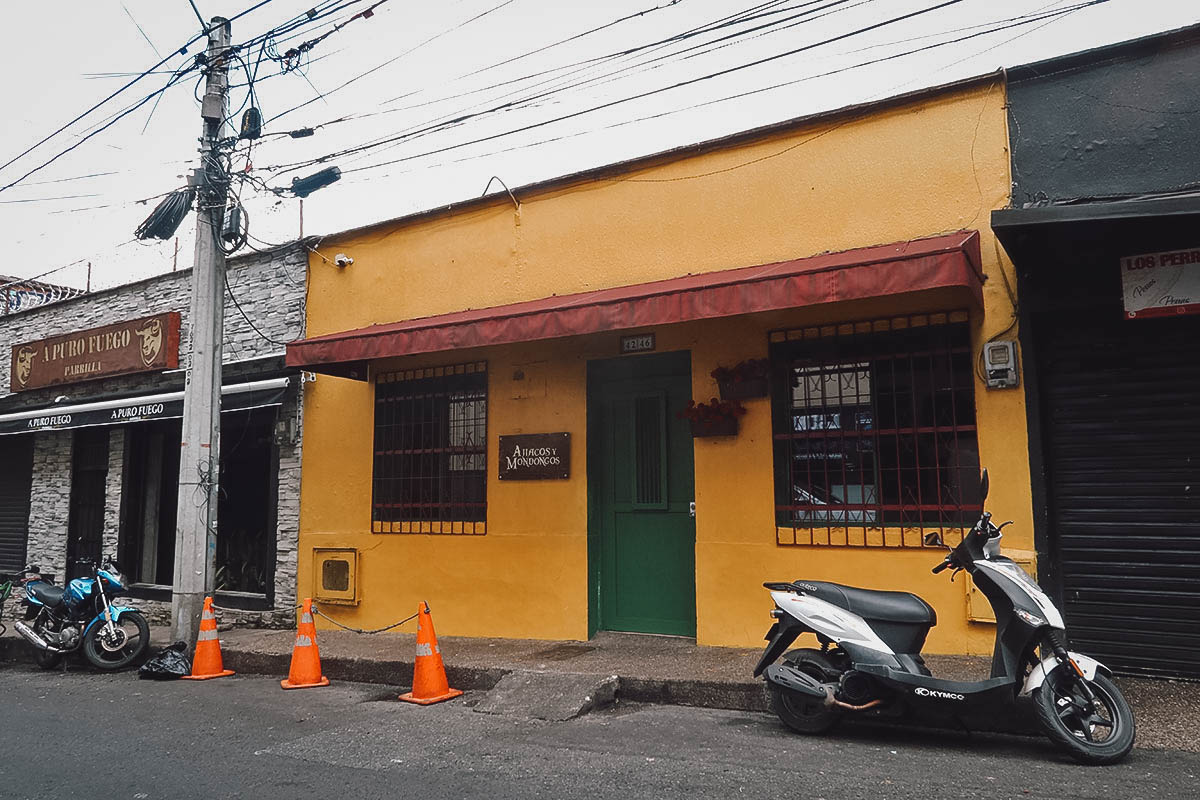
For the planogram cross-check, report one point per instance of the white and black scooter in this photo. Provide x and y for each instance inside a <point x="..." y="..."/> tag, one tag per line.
<point x="870" y="662"/>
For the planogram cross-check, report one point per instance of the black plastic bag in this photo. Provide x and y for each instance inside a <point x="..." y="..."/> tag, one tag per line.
<point x="171" y="662"/>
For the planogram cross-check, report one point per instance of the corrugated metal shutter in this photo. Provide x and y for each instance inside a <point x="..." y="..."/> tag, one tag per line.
<point x="16" y="479"/>
<point x="1121" y="414"/>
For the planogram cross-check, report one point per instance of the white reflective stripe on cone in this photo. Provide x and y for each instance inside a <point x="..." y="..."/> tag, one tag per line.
<point x="423" y="649"/>
<point x="306" y="618"/>
<point x="303" y="641"/>
<point x="206" y="636"/>
<point x="207" y="615"/>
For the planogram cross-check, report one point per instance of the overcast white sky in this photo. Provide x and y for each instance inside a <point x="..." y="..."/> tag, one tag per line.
<point x="62" y="58"/>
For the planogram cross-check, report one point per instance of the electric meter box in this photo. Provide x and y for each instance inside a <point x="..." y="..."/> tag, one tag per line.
<point x="335" y="575"/>
<point x="1000" y="364"/>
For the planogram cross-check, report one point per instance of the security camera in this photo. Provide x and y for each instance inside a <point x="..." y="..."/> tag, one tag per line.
<point x="343" y="260"/>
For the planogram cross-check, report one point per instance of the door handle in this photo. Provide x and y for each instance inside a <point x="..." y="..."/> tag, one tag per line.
<point x="692" y="509"/>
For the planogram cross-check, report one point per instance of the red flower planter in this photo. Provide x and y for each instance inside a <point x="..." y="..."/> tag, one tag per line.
<point x="742" y="390"/>
<point x="724" y="426"/>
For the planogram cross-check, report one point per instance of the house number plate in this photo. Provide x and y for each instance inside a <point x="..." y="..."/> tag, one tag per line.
<point x="639" y="343"/>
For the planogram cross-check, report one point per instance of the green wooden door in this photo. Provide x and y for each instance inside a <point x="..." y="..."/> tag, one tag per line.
<point x="641" y="533"/>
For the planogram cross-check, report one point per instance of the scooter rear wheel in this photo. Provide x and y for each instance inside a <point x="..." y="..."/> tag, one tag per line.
<point x="801" y="713"/>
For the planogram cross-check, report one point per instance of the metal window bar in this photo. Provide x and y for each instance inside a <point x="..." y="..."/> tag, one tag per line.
<point x="431" y="451"/>
<point x="875" y="437"/>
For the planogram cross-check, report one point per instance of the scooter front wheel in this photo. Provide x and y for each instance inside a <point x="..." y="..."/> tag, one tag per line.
<point x="800" y="712"/>
<point x="1102" y="733"/>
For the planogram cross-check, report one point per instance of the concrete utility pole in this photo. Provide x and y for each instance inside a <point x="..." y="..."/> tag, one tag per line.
<point x="199" y="451"/>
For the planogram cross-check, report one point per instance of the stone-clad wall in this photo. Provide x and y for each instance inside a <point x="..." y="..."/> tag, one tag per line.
<point x="50" y="501"/>
<point x="112" y="491"/>
<point x="270" y="289"/>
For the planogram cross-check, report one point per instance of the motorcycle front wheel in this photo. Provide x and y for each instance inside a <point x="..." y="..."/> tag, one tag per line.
<point x="126" y="645"/>
<point x="1091" y="734"/>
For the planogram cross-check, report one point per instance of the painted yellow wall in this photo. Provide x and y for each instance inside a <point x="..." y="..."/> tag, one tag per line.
<point x="933" y="166"/>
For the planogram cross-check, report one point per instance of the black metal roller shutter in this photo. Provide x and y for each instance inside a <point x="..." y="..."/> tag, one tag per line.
<point x="16" y="477"/>
<point x="1121" y="415"/>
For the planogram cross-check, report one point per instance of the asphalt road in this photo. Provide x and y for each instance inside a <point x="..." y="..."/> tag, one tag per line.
<point x="86" y="735"/>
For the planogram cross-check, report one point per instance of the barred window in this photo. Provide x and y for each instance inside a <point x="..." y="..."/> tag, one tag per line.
<point x="874" y="430"/>
<point x="431" y="450"/>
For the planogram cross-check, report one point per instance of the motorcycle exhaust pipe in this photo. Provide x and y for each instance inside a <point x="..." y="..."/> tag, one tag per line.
<point x="789" y="677"/>
<point x="30" y="636"/>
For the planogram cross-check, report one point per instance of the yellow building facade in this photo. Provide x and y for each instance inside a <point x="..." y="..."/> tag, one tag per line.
<point x="559" y="557"/>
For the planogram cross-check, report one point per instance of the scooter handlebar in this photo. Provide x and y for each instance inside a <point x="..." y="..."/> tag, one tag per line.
<point x="941" y="566"/>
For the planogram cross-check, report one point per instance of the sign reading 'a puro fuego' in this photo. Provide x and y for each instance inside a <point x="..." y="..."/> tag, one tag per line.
<point x="139" y="345"/>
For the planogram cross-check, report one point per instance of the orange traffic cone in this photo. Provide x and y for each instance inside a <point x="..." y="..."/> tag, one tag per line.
<point x="305" y="671"/>
<point x="207" y="663"/>
<point x="429" y="674"/>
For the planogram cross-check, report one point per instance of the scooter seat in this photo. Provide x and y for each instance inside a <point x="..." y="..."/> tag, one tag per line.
<point x="903" y="607"/>
<point x="47" y="593"/>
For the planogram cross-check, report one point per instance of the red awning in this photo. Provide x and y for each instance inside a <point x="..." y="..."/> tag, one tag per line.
<point x="935" y="263"/>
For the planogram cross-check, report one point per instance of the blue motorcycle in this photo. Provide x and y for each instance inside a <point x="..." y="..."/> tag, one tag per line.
<point x="83" y="615"/>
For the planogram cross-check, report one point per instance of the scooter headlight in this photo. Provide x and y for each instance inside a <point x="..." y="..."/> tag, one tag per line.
<point x="1029" y="618"/>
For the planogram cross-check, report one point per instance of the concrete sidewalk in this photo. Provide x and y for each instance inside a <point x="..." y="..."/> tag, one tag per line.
<point x="649" y="669"/>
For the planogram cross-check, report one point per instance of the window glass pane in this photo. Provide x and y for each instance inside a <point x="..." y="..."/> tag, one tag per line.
<point x="431" y="449"/>
<point x="875" y="426"/>
<point x="649" y="443"/>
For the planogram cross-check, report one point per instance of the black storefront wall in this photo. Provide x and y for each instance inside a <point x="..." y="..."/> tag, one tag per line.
<point x="1115" y="422"/>
<point x="16" y="477"/>
<point x="1104" y="151"/>
<point x="246" y="545"/>
<point x="247" y="514"/>
<point x="1121" y="411"/>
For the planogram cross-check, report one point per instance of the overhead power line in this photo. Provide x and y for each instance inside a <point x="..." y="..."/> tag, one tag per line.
<point x="641" y="95"/>
<point x="180" y="51"/>
<point x="999" y="26"/>
<point x="397" y="57"/>
<point x="458" y="118"/>
<point x="175" y="79"/>
<point x="751" y="13"/>
<point x="175" y="76"/>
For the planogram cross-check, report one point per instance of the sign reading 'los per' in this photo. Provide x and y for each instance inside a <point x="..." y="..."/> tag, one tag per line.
<point x="138" y="345"/>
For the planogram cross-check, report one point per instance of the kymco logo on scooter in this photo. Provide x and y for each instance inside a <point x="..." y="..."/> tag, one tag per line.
<point x="923" y="692"/>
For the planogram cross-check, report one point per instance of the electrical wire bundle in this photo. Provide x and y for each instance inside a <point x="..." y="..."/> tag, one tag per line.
<point x="166" y="217"/>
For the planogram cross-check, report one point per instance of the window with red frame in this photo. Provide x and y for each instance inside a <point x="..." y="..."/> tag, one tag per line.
<point x="431" y="450"/>
<point x="874" y="429"/>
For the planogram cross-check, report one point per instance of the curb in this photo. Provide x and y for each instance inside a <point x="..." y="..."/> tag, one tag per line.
<point x="704" y="694"/>
<point x="729" y="696"/>
<point x="361" y="670"/>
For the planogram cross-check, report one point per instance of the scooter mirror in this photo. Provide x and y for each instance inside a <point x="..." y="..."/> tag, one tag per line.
<point x="934" y="539"/>
<point x="983" y="485"/>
